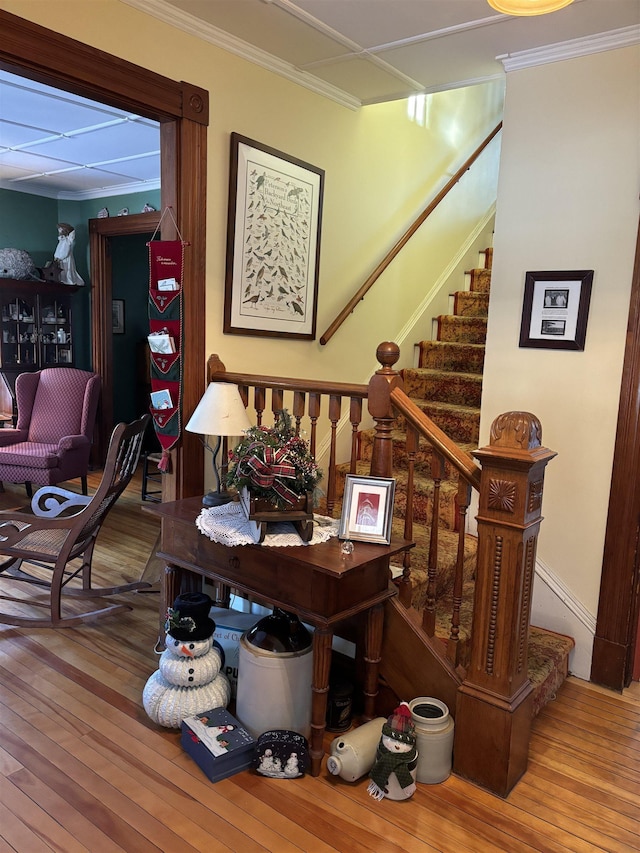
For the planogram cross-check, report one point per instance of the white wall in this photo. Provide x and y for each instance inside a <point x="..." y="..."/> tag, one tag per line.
<point x="567" y="199"/>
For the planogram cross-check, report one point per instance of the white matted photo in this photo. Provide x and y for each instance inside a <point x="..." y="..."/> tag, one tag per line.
<point x="367" y="509"/>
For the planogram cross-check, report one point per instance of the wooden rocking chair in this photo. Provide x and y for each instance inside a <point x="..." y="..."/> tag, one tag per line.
<point x="57" y="541"/>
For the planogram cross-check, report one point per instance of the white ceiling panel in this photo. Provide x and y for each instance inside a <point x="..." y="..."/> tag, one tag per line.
<point x="354" y="51"/>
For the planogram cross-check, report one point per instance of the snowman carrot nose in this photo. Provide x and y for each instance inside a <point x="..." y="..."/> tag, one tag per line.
<point x="186" y="651"/>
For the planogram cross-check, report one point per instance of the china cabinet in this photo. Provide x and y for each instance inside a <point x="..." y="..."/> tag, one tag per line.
<point x="36" y="326"/>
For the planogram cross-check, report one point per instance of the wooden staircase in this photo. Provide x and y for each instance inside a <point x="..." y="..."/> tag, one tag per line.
<point x="447" y="387"/>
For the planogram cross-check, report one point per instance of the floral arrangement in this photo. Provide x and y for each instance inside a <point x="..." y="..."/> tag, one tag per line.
<point x="273" y="463"/>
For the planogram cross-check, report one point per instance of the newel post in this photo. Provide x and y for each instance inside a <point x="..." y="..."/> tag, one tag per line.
<point x="381" y="385"/>
<point x="494" y="708"/>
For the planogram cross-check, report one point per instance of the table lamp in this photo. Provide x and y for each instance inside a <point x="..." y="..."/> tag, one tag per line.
<point x="220" y="412"/>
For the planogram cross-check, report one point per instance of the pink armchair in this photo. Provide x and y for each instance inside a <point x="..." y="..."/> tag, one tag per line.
<point x="52" y="440"/>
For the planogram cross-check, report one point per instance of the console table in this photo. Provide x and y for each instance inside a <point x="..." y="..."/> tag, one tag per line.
<point x="318" y="583"/>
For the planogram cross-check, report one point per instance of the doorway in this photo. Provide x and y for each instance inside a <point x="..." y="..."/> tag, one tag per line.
<point x="183" y="112"/>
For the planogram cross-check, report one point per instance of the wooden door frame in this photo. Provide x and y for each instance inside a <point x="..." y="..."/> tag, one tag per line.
<point x="614" y="645"/>
<point x="101" y="233"/>
<point x="182" y="109"/>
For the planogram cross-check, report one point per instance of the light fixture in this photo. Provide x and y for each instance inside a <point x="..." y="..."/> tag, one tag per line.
<point x="528" y="7"/>
<point x="220" y="412"/>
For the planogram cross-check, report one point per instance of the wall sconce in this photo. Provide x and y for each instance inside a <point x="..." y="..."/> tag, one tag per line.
<point x="220" y="412"/>
<point x="528" y="7"/>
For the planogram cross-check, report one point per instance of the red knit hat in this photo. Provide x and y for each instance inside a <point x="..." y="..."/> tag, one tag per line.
<point x="400" y="726"/>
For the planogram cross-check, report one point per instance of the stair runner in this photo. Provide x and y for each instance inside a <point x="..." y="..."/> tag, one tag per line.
<point x="447" y="386"/>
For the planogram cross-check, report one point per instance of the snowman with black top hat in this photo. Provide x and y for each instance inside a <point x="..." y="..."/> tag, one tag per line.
<point x="189" y="680"/>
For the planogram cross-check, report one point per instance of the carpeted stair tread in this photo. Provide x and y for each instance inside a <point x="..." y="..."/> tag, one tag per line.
<point x="461" y="423"/>
<point x="480" y="280"/>
<point x="470" y="303"/>
<point x="471" y="330"/>
<point x="449" y="355"/>
<point x="445" y="386"/>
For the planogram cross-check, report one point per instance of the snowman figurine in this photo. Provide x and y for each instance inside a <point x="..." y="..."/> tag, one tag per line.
<point x="393" y="774"/>
<point x="189" y="681"/>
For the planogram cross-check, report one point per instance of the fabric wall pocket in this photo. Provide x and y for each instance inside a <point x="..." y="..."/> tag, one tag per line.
<point x="164" y="420"/>
<point x="166" y="365"/>
<point x="165" y="303"/>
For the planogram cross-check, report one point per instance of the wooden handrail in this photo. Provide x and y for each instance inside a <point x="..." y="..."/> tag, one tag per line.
<point x="464" y="463"/>
<point x="217" y="372"/>
<point x="375" y="275"/>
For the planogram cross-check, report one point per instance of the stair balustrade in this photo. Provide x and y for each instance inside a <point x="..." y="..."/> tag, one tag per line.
<point x="491" y="699"/>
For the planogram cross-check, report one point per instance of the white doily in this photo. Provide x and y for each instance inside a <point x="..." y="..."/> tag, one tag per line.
<point x="228" y="525"/>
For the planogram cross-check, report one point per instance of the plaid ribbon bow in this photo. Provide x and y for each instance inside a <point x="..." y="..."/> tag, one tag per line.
<point x="267" y="473"/>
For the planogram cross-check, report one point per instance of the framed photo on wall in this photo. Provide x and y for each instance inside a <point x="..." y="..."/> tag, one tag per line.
<point x="273" y="243"/>
<point x="117" y="309"/>
<point x="367" y="509"/>
<point x="555" y="309"/>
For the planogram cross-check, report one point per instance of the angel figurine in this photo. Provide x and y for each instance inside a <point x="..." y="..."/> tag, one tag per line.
<point x="64" y="254"/>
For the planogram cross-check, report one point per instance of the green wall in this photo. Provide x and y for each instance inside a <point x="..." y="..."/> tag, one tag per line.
<point x="30" y="222"/>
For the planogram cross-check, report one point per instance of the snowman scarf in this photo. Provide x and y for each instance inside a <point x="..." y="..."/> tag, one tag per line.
<point x="388" y="762"/>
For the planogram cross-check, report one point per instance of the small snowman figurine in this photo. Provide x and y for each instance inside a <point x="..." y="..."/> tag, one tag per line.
<point x="189" y="680"/>
<point x="393" y="774"/>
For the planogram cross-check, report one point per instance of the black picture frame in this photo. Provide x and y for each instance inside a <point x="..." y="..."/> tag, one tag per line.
<point x="117" y="310"/>
<point x="273" y="243"/>
<point x="555" y="309"/>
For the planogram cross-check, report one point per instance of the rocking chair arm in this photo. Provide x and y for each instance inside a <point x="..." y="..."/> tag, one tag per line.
<point x="52" y="501"/>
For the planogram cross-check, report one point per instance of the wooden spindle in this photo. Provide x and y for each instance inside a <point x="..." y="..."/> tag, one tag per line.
<point x="429" y="614"/>
<point x="334" y="416"/>
<point x="260" y="398"/>
<point x="463" y="500"/>
<point x="314" y="414"/>
<point x="355" y="416"/>
<point x="299" y="400"/>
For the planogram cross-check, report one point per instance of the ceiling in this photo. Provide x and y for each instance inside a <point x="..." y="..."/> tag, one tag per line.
<point x="356" y="52"/>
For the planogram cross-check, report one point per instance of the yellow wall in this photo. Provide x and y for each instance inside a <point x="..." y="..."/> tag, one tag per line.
<point x="380" y="170"/>
<point x="568" y="199"/>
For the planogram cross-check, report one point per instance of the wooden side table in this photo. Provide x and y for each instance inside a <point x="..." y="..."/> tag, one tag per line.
<point x="320" y="584"/>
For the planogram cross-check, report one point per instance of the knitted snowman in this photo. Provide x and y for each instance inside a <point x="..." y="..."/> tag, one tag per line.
<point x="393" y="774"/>
<point x="188" y="681"/>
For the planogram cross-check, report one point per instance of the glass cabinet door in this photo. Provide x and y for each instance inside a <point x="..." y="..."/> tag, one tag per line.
<point x="55" y="329"/>
<point x="19" y="333"/>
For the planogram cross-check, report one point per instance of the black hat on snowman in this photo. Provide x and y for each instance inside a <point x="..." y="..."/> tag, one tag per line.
<point x="188" y="619"/>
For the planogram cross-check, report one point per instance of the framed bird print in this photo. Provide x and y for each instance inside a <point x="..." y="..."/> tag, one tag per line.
<point x="273" y="243"/>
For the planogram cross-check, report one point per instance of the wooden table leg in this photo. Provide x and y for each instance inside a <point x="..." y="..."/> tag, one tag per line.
<point x="169" y="591"/>
<point x="372" y="657"/>
<point x="322" y="640"/>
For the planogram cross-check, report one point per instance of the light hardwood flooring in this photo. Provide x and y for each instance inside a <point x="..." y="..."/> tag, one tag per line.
<point x="82" y="768"/>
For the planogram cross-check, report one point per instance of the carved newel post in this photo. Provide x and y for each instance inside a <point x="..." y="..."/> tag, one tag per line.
<point x="381" y="385"/>
<point x="494" y="709"/>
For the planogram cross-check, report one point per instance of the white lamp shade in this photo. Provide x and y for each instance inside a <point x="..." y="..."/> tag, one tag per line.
<point x="528" y="7"/>
<point x="220" y="412"/>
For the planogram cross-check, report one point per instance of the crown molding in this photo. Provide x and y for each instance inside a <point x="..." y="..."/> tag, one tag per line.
<point x="198" y="28"/>
<point x="624" y="37"/>
<point x="83" y="195"/>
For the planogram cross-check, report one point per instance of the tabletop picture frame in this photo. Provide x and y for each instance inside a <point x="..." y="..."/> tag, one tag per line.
<point x="273" y="243"/>
<point x="556" y="309"/>
<point x="367" y="509"/>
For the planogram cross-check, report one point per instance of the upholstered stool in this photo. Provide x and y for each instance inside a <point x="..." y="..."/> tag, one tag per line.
<point x="154" y="476"/>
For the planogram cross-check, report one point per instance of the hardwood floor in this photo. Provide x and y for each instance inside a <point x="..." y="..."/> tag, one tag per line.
<point x="82" y="768"/>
